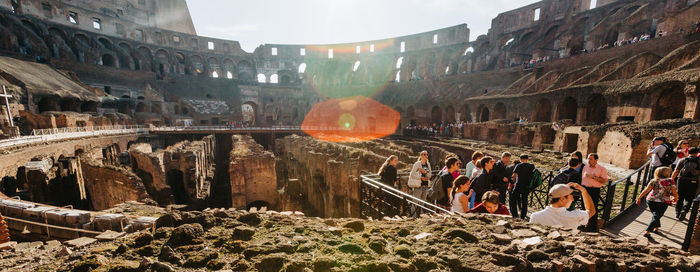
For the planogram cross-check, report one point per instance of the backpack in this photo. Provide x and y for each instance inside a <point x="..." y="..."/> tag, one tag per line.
<point x="436" y="190"/>
<point x="691" y="168"/>
<point x="535" y="180"/>
<point x="563" y="177"/>
<point x="669" y="156"/>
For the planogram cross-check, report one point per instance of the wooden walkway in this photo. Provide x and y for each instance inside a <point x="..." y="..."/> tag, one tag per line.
<point x="634" y="224"/>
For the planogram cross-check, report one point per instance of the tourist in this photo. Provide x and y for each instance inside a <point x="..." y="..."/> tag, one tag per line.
<point x="658" y="152"/>
<point x="569" y="175"/>
<point x="490" y="203"/>
<point x="578" y="155"/>
<point x="501" y="177"/>
<point x="387" y="172"/>
<point x="660" y="193"/>
<point x="687" y="176"/>
<point x="469" y="169"/>
<point x="455" y="173"/>
<point x="477" y="170"/>
<point x="458" y="199"/>
<point x="482" y="183"/>
<point x="681" y="152"/>
<point x="557" y="213"/>
<point x="522" y="174"/>
<point x="418" y="180"/>
<point x="446" y="180"/>
<point x="594" y="177"/>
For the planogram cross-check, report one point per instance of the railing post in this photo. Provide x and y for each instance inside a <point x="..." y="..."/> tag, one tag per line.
<point x="691" y="224"/>
<point x="609" y="197"/>
<point x="624" y="194"/>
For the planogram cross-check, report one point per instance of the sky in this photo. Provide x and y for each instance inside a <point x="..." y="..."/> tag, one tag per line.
<point x="256" y="22"/>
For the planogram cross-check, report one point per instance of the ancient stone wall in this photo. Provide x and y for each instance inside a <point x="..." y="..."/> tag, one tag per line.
<point x="253" y="174"/>
<point x="324" y="176"/>
<point x="107" y="184"/>
<point x="181" y="173"/>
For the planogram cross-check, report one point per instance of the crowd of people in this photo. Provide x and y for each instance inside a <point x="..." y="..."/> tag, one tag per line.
<point x="483" y="185"/>
<point x="435" y="130"/>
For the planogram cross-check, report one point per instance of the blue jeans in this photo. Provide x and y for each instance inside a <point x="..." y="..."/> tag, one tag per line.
<point x="657" y="211"/>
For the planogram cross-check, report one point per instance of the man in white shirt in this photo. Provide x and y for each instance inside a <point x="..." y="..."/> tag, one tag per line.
<point x="561" y="198"/>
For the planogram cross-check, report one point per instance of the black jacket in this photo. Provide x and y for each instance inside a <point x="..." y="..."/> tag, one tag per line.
<point x="499" y="172"/>
<point x="482" y="184"/>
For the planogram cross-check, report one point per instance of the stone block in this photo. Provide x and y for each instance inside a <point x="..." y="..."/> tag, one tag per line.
<point x="143" y="222"/>
<point x="109" y="221"/>
<point x="109" y="235"/>
<point x="36" y="214"/>
<point x="80" y="242"/>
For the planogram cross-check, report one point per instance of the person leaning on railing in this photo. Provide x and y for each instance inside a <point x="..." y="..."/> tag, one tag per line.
<point x="419" y="179"/>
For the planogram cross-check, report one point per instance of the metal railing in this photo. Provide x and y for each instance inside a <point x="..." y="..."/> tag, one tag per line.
<point x="379" y="200"/>
<point x="48" y="135"/>
<point x="692" y="222"/>
<point x="52" y="131"/>
<point x="613" y="208"/>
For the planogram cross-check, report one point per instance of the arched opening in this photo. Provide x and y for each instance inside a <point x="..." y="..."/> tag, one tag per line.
<point x="70" y="104"/>
<point x="450" y="114"/>
<point x="596" y="109"/>
<point x="285" y="79"/>
<point x="89" y="106"/>
<point x="274" y="78"/>
<point x="670" y="104"/>
<point x="356" y="66"/>
<point x="484" y="113"/>
<point x="262" y="78"/>
<point x="49" y="103"/>
<point x="176" y="180"/>
<point x="543" y="111"/>
<point x="229" y="75"/>
<point x="436" y="115"/>
<point x="105" y="43"/>
<point x="246" y="71"/>
<point x="499" y="111"/>
<point x="466" y="114"/>
<point x="181" y="63"/>
<point x="214" y="74"/>
<point x="109" y="60"/>
<point x="399" y="62"/>
<point x="567" y="109"/>
<point x="257" y="204"/>
<point x="141" y="107"/>
<point x="249" y="111"/>
<point x="302" y="68"/>
<point x="398" y="76"/>
<point x="469" y="50"/>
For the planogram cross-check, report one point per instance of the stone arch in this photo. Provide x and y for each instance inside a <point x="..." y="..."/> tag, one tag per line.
<point x="228" y="67"/>
<point x="246" y="70"/>
<point x="466" y="114"/>
<point x="596" y="109"/>
<point x="249" y="111"/>
<point x="89" y="106"/>
<point x="49" y="103"/>
<point x="126" y="56"/>
<point x="499" y="111"/>
<point x="176" y="180"/>
<point x="198" y="67"/>
<point x="410" y="112"/>
<point x="543" y="111"/>
<point x="106" y="43"/>
<point x="436" y="115"/>
<point x="109" y="60"/>
<point x="484" y="113"/>
<point x="567" y="109"/>
<point x="670" y="104"/>
<point x="58" y="44"/>
<point x="214" y="66"/>
<point x="163" y="62"/>
<point x="81" y="46"/>
<point x="70" y="104"/>
<point x="450" y="114"/>
<point x="142" y="107"/>
<point x="180" y="63"/>
<point x="145" y="57"/>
